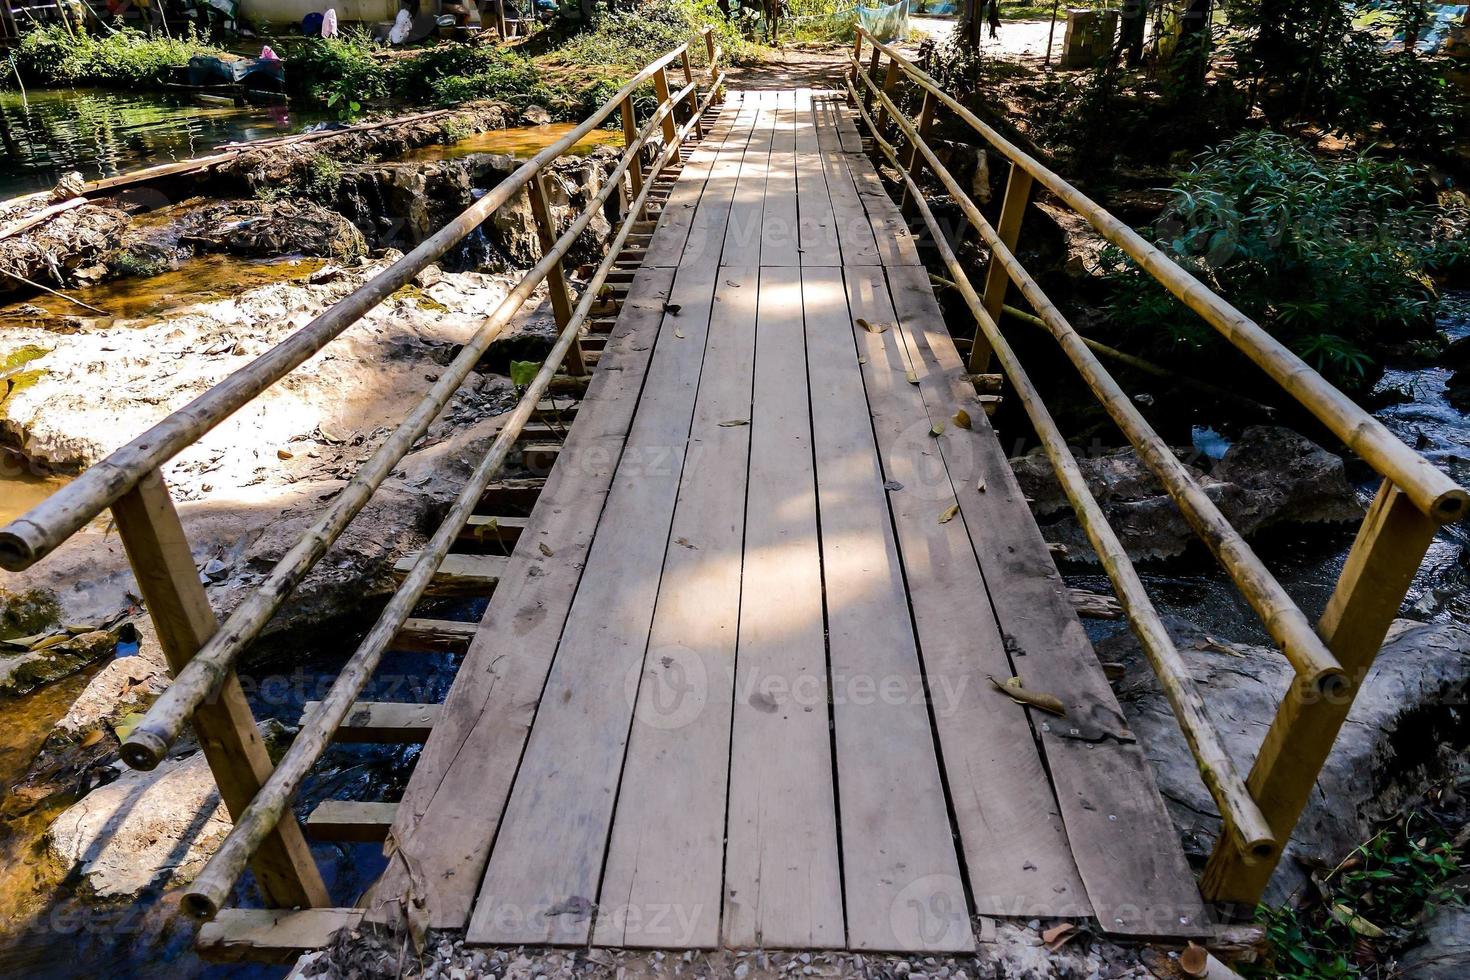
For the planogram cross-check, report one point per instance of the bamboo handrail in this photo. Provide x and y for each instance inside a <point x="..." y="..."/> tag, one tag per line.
<point x="1287" y="625"/>
<point x="1227" y="787"/>
<point x="36" y="533"/>
<point x="1431" y="490"/>
<point x="148" y="743"/>
<point x="209" y="891"/>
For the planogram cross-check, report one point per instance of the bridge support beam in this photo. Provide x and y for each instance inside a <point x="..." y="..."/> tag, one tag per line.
<point x="1389" y="547"/>
<point x="997" y="279"/>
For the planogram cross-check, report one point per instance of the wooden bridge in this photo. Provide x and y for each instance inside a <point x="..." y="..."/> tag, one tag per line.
<point x="744" y="678"/>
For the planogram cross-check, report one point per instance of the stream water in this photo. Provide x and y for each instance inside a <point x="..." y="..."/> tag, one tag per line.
<point x="104" y="132"/>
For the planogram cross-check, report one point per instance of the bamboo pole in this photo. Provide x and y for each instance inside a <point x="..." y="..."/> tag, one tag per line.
<point x="150" y="740"/>
<point x="1215" y="766"/>
<point x="158" y="550"/>
<point x="211" y="889"/>
<point x="1380" y="567"/>
<point x="30" y="221"/>
<point x="1281" y="616"/>
<point x="1431" y="490"/>
<point x="33" y="535"/>
<point x="556" y="277"/>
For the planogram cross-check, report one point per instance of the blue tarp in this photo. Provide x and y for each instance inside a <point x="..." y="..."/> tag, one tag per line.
<point x="885" y="23"/>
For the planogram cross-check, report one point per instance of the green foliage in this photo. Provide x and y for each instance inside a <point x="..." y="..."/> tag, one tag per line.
<point x="322" y="67"/>
<point x="522" y="373"/>
<point x="1329" y="255"/>
<point x="631" y="38"/>
<point x="453" y="130"/>
<point x="54" y="55"/>
<point x="1370" y="905"/>
<point x="1306" y="59"/>
<point x="323" y="177"/>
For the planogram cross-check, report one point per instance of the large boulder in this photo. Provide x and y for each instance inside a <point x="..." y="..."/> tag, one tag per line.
<point x="1398" y="734"/>
<point x="1269" y="477"/>
<point x="1445" y="952"/>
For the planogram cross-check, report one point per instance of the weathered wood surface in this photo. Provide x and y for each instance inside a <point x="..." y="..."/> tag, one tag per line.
<point x="741" y="696"/>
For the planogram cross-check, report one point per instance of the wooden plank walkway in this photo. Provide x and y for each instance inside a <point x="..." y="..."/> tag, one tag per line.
<point x="733" y="686"/>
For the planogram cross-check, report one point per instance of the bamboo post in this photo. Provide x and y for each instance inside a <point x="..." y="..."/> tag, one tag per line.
<point x="915" y="162"/>
<point x="873" y="64"/>
<point x="1380" y="567"/>
<point x="857" y="54"/>
<point x="630" y="135"/>
<point x="693" y="102"/>
<point x="556" y="279"/>
<point x="158" y="551"/>
<point x="500" y="19"/>
<point x="709" y="47"/>
<point x="1012" y="212"/>
<point x="661" y="89"/>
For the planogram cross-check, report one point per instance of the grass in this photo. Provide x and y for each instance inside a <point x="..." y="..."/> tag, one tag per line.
<point x="53" y="55"/>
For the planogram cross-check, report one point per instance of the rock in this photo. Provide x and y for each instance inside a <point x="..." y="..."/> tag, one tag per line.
<point x="1270" y="477"/>
<point x="1445" y="952"/>
<point x="23" y="671"/>
<point x="143" y="829"/>
<point x="1395" y="731"/>
<point x="534" y="115"/>
<point x="271" y="229"/>
<point x="63" y="250"/>
<point x="27" y="613"/>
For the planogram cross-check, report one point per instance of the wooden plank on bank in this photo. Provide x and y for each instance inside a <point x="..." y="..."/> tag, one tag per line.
<point x="351" y="821"/>
<point x="895" y="858"/>
<point x="782" y="880"/>
<point x="1010" y="827"/>
<point x="382" y="722"/>
<point x="1121" y="836"/>
<point x="451" y="808"/>
<point x="665" y="861"/>
<point x="271" y="935"/>
<point x="459" y="575"/>
<point x="542" y="878"/>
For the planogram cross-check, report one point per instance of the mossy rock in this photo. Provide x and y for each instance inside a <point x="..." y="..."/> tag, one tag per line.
<point x="27" y="613"/>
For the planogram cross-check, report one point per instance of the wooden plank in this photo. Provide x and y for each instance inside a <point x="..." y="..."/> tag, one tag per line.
<point x="459" y="575"/>
<point x="158" y="552"/>
<point x="543" y="874"/>
<point x="350" y="821"/>
<point x="816" y="222"/>
<point x="779" y="219"/>
<point x="452" y="806"/>
<point x="782" y="882"/>
<point x="382" y="722"/>
<point x="667" y="246"/>
<point x="896" y="244"/>
<point x="854" y="231"/>
<point x="663" y="879"/>
<point x="271" y="935"/>
<point x="1122" y="839"/>
<point x="712" y="217"/>
<point x="1010" y="827"/>
<point x="747" y="208"/>
<point x="899" y="865"/>
<point x="481" y="530"/>
<point x="434" y="636"/>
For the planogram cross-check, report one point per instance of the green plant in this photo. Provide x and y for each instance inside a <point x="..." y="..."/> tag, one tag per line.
<point x="323" y="177"/>
<point x="54" y="55"/>
<point x="1331" y="255"/>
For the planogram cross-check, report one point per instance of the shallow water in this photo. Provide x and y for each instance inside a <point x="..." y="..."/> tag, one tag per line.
<point x="104" y="132"/>
<point x="196" y="280"/>
<point x="521" y="142"/>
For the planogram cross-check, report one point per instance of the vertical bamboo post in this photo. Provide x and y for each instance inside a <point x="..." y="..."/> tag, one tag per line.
<point x="158" y="551"/>
<point x="661" y="89"/>
<point x="873" y="74"/>
<point x="630" y="133"/>
<point x="556" y="280"/>
<point x="915" y="162"/>
<point x="997" y="280"/>
<point x="500" y="19"/>
<point x="709" y="47"/>
<point x="692" y="103"/>
<point x="890" y="79"/>
<point x="1379" y="569"/>
<point x="857" y="55"/>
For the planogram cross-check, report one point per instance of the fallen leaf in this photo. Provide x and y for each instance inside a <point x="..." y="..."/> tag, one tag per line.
<point x="937" y="429"/>
<point x="892" y="485"/>
<point x="679" y="332"/>
<point x="949" y="513"/>
<point x="672" y="308"/>
<point x="862" y="358"/>
<point x="871" y="327"/>
<point x="911" y="378"/>
<point x="1356" y="922"/>
<point x="729" y="423"/>
<point x="284" y="454"/>
<point x="962" y="419"/>
<point x="93" y="737"/>
<point x="126" y="724"/>
<point x="980" y="486"/>
<point x="46" y="643"/>
<point x="545" y="550"/>
<point x="1059" y="935"/>
<point x="1012" y="689"/>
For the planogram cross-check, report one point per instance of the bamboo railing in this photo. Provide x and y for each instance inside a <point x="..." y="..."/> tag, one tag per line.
<point x="201" y="652"/>
<point x="1331" y="659"/>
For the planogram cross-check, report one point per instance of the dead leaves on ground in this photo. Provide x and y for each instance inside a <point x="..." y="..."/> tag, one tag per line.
<point x="1013" y="689"/>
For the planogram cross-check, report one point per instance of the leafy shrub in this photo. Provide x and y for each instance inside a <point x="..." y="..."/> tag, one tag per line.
<point x="321" y="67"/>
<point x="632" y="38"/>
<point x="1329" y="255"/>
<point x="53" y="55"/>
